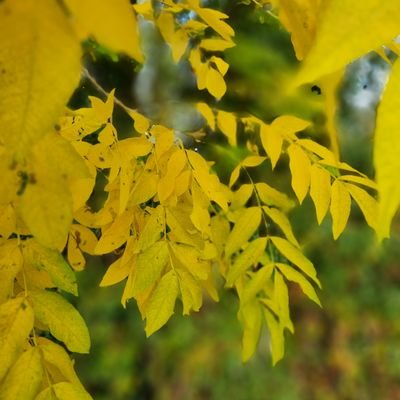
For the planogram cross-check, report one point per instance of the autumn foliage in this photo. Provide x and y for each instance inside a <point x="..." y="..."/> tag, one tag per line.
<point x="175" y="229"/>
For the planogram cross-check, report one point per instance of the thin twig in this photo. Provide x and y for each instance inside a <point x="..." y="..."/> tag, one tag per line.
<point x="117" y="101"/>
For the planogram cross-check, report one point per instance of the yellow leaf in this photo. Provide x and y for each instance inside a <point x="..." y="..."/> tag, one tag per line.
<point x="215" y="83"/>
<point x="152" y="230"/>
<point x="108" y="135"/>
<point x="161" y="304"/>
<point x="46" y="209"/>
<point x="366" y="202"/>
<point x="272" y="197"/>
<point x="300" y="169"/>
<point x="281" y="298"/>
<point x="257" y="283"/>
<point x="10" y="264"/>
<point x="288" y="125"/>
<point x="10" y="183"/>
<point x="111" y="22"/>
<point x="247" y="223"/>
<point x="221" y="65"/>
<point x="320" y="190"/>
<point x="46" y="204"/>
<point x="241" y="196"/>
<point x="116" y="272"/>
<point x="191" y="291"/>
<point x="179" y="227"/>
<point x="277" y="340"/>
<point x="200" y="216"/>
<point x="208" y="182"/>
<point x="250" y="317"/>
<point x="176" y="163"/>
<point x="145" y="187"/>
<point x="250" y="256"/>
<point x="227" y="125"/>
<point x="7" y="221"/>
<point x="64" y="321"/>
<point x="214" y="19"/>
<point x="253" y="161"/>
<point x="164" y="139"/>
<point x="182" y="182"/>
<point x="200" y="68"/>
<point x="134" y="147"/>
<point x="128" y="292"/>
<point x="24" y="378"/>
<point x="58" y="357"/>
<point x="361" y="180"/>
<point x="340" y="207"/>
<point x="330" y="86"/>
<point x="16" y="323"/>
<point x="292" y="275"/>
<point x="341" y="38"/>
<point x="40" y="57"/>
<point x="294" y="255"/>
<point x="64" y="391"/>
<point x="320" y="151"/>
<point x="141" y="123"/>
<point x="235" y="175"/>
<point x="53" y="263"/>
<point x="272" y="142"/>
<point x="116" y="234"/>
<point x="219" y="231"/>
<point x="177" y="39"/>
<point x="207" y="113"/>
<point x="192" y="260"/>
<point x="280" y="219"/>
<point x="149" y="266"/>
<point x="75" y="242"/>
<point x="386" y="153"/>
<point x="216" y="44"/>
<point x="299" y="17"/>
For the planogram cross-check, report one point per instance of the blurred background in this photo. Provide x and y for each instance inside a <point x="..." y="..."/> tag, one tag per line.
<point x="348" y="350"/>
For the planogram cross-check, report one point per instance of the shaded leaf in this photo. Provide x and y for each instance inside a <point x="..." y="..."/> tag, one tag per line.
<point x="64" y="321"/>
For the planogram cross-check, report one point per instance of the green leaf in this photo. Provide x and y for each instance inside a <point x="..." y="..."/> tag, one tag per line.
<point x="53" y="263"/>
<point x="64" y="321"/>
